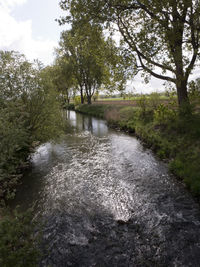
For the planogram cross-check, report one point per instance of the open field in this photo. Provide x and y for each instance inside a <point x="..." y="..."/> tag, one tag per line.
<point x="130" y="98"/>
<point x="116" y="101"/>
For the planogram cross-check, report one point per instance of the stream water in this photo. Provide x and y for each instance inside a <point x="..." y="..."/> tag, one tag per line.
<point x="107" y="201"/>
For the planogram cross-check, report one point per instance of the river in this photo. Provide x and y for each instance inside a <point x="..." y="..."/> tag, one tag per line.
<point x="108" y="201"/>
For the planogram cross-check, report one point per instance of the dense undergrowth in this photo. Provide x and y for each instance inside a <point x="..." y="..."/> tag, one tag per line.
<point x="173" y="138"/>
<point x="19" y="244"/>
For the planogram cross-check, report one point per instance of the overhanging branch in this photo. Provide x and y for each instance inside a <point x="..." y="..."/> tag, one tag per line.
<point x="159" y="76"/>
<point x="133" y="46"/>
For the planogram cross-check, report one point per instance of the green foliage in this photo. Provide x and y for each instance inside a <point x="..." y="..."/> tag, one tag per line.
<point x="14" y="145"/>
<point x="154" y="100"/>
<point x="163" y="114"/>
<point x="186" y="166"/>
<point x="29" y="111"/>
<point x="94" y="110"/>
<point x="194" y="90"/>
<point x="45" y="116"/>
<point x="128" y="113"/>
<point x="89" y="62"/>
<point x="70" y="106"/>
<point x="63" y="78"/>
<point x="157" y="37"/>
<point x="77" y="100"/>
<point x="18" y="243"/>
<point x="143" y="104"/>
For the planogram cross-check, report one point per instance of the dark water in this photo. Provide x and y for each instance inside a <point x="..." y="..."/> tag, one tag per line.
<point x="107" y="201"/>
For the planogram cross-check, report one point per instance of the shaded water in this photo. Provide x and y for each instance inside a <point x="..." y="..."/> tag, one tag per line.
<point x="107" y="201"/>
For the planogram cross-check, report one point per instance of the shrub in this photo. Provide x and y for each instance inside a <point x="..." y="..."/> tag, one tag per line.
<point x="77" y="100"/>
<point x="154" y="100"/>
<point x="70" y="106"/>
<point x="29" y="111"/>
<point x="18" y="243"/>
<point x="143" y="105"/>
<point x="163" y="114"/>
<point x="128" y="113"/>
<point x="94" y="110"/>
<point x="194" y="91"/>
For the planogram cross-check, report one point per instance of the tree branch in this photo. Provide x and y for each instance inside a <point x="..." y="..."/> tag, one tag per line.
<point x="159" y="76"/>
<point x="134" y="47"/>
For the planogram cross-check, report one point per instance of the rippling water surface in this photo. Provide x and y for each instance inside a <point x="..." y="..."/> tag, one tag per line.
<point x="107" y="201"/>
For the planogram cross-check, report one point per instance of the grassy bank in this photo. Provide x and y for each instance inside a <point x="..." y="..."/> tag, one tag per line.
<point x="174" y="139"/>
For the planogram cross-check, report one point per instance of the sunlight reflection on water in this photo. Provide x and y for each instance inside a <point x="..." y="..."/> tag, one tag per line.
<point x="107" y="197"/>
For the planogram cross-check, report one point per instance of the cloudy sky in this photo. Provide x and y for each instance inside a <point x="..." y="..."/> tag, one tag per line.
<point x="29" y="26"/>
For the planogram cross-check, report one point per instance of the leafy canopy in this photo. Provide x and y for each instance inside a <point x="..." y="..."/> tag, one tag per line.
<point x="90" y="59"/>
<point x="163" y="35"/>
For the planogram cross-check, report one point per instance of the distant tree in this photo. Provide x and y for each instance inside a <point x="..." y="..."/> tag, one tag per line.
<point x="93" y="61"/>
<point x="162" y="35"/>
<point x="63" y="79"/>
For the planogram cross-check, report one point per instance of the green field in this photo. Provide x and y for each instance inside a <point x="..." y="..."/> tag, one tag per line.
<point x="162" y="97"/>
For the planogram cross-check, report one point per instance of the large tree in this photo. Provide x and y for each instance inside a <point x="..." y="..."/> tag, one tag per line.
<point x="92" y="60"/>
<point x="82" y="49"/>
<point x="162" y="35"/>
<point x="63" y="78"/>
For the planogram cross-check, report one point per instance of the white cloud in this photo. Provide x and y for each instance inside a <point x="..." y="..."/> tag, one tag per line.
<point x="17" y="35"/>
<point x="9" y="4"/>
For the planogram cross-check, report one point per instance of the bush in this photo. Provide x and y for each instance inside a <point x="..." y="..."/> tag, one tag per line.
<point x="154" y="101"/>
<point x="77" y="100"/>
<point x="29" y="112"/>
<point x="143" y="105"/>
<point x="194" y="91"/>
<point x="70" y="106"/>
<point x="163" y="114"/>
<point x="18" y="243"/>
<point x="94" y="110"/>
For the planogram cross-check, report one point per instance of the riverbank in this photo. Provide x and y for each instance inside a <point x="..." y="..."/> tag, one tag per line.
<point x="102" y="197"/>
<point x="175" y="140"/>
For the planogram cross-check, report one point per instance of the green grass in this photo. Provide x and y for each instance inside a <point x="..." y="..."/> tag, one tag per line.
<point x="111" y="99"/>
<point x="162" y="97"/>
<point x="94" y="110"/>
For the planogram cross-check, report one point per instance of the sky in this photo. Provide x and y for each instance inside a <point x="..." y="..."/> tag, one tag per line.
<point x="29" y="26"/>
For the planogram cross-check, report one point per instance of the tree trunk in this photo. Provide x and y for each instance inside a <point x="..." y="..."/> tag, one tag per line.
<point x="82" y="97"/>
<point x="89" y="99"/>
<point x="88" y="94"/>
<point x="183" y="99"/>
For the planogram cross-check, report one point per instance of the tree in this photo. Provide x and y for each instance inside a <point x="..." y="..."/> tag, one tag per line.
<point x="29" y="111"/>
<point x="162" y="35"/>
<point x="92" y="60"/>
<point x="62" y="78"/>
